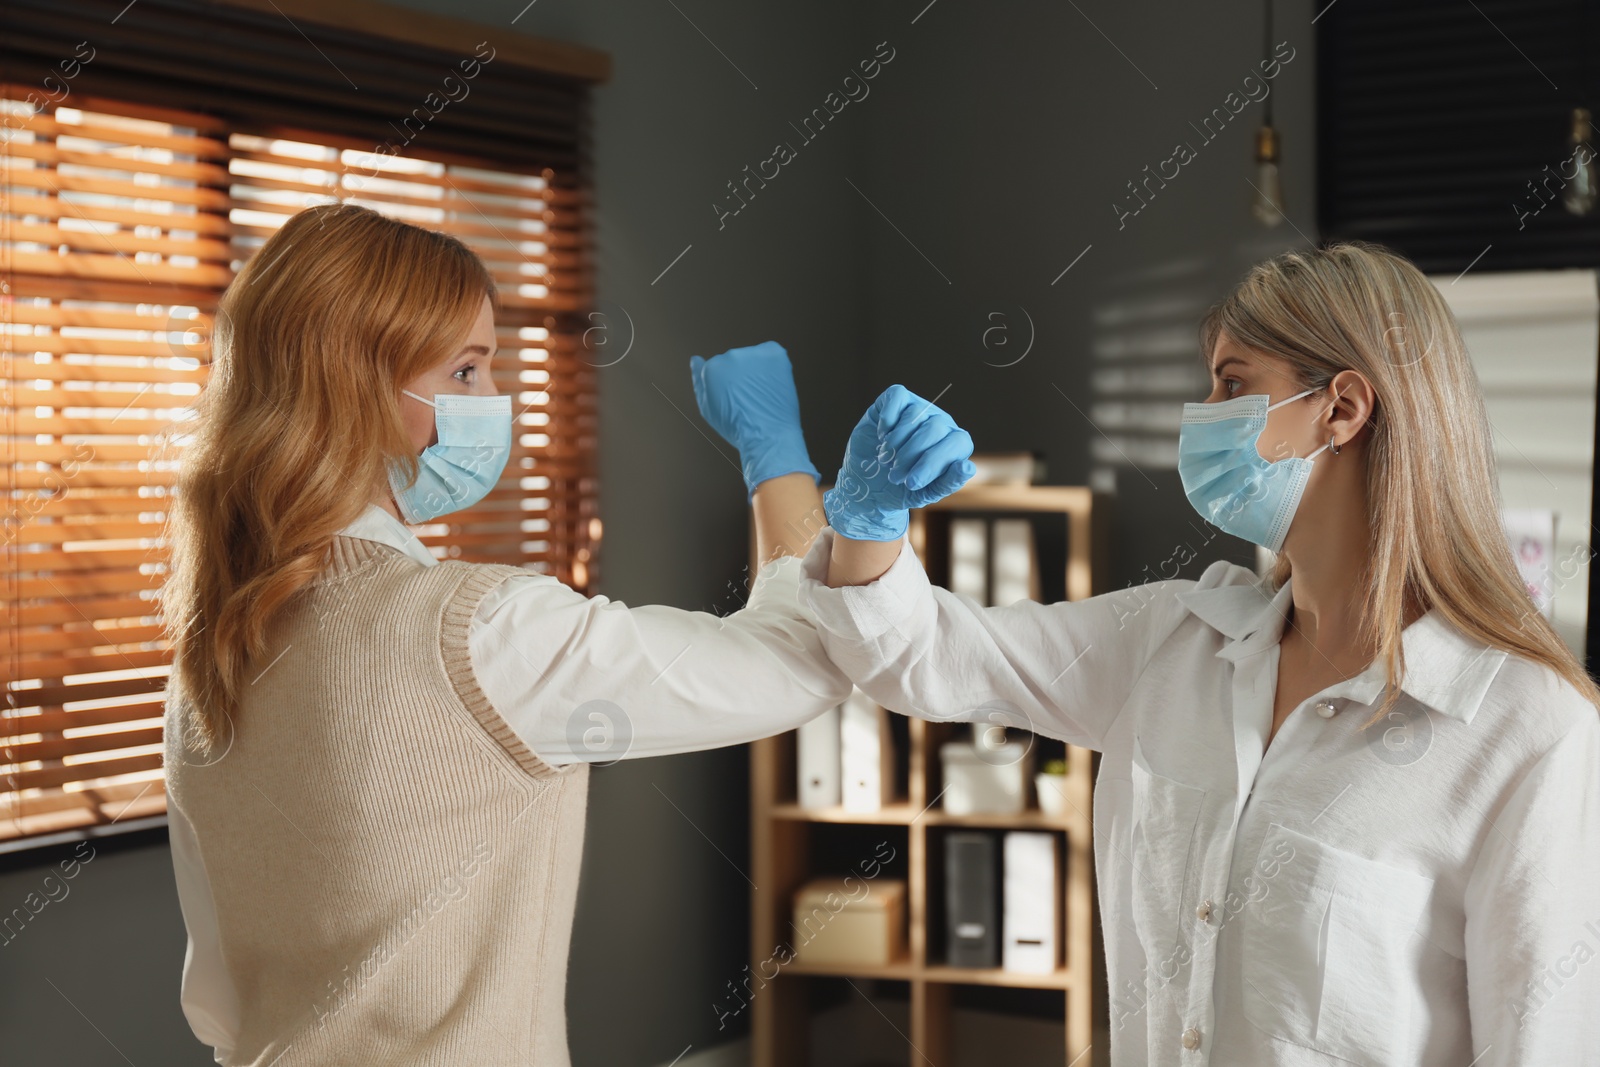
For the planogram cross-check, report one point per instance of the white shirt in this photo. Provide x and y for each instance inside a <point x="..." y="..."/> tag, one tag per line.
<point x="580" y="679"/>
<point x="1426" y="892"/>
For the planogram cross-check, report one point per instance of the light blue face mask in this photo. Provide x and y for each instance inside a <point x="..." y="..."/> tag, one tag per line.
<point x="458" y="471"/>
<point x="1226" y="478"/>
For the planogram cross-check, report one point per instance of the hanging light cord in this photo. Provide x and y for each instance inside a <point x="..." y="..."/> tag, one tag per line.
<point x="1266" y="54"/>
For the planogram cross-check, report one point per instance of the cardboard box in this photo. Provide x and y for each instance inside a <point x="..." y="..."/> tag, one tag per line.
<point x="851" y="921"/>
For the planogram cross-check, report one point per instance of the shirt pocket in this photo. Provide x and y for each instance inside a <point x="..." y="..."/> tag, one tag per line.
<point x="1331" y="950"/>
<point x="1165" y="814"/>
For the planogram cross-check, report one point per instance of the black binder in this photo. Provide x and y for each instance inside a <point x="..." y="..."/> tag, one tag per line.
<point x="972" y="899"/>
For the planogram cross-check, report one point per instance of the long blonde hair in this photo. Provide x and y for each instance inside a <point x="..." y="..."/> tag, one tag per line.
<point x="313" y="341"/>
<point x="1432" y="488"/>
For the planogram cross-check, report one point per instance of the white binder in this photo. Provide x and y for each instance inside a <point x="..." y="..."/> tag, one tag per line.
<point x="866" y="753"/>
<point x="1016" y="564"/>
<point x="1030" y="941"/>
<point x="818" y="759"/>
<point x="969" y="558"/>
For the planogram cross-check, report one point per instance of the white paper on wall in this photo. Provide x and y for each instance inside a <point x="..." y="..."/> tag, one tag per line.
<point x="1532" y="534"/>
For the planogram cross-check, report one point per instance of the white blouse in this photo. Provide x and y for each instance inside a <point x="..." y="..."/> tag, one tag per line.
<point x="580" y="679"/>
<point x="1426" y="891"/>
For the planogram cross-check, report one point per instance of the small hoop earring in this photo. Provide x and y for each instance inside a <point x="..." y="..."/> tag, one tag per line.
<point x="1333" y="446"/>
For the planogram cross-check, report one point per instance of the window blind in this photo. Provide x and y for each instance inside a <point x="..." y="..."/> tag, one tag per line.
<point x="120" y="225"/>
<point x="1443" y="158"/>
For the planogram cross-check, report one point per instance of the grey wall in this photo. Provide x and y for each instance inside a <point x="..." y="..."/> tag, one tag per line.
<point x="994" y="142"/>
<point x="998" y="148"/>
<point x="92" y="977"/>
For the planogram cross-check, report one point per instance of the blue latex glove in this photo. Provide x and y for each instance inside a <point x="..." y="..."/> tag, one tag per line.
<point x="903" y="454"/>
<point x="747" y="395"/>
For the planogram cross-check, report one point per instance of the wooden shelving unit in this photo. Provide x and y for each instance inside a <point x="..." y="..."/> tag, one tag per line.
<point x="783" y="835"/>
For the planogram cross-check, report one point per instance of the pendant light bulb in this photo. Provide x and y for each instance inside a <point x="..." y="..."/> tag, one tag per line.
<point x="1582" y="190"/>
<point x="1268" y="205"/>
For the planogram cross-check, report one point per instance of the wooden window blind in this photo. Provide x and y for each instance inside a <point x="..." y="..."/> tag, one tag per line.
<point x="121" y="222"/>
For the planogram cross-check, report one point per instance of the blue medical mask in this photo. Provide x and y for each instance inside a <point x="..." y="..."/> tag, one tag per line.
<point x="1226" y="478"/>
<point x="466" y="462"/>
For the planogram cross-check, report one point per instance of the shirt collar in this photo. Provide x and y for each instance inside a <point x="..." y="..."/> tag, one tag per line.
<point x="376" y="524"/>
<point x="1445" y="669"/>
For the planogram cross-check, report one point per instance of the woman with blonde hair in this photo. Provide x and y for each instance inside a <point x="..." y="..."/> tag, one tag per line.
<point x="1349" y="814"/>
<point x="377" y="761"/>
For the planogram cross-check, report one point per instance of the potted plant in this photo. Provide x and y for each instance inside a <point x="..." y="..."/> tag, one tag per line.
<point x="1050" y="784"/>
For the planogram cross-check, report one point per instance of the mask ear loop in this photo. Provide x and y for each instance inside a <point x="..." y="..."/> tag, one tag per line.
<point x="1291" y="399"/>
<point x="431" y="404"/>
<point x="393" y="497"/>
<point x="1297" y="396"/>
<point x="1331" y="443"/>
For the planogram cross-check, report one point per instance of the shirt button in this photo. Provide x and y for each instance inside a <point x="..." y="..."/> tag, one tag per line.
<point x="1203" y="912"/>
<point x="1326" y="708"/>
<point x="1191" y="1038"/>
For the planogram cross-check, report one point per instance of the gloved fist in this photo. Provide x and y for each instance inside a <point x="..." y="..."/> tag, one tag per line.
<point x="903" y="454"/>
<point x="747" y="395"/>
